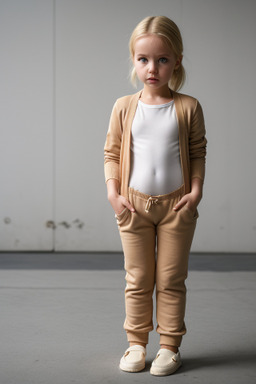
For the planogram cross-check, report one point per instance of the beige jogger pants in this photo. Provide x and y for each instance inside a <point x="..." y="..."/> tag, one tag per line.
<point x="156" y="226"/>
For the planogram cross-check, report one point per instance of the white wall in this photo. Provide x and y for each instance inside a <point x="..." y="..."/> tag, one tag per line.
<point x="26" y="124"/>
<point x="64" y="64"/>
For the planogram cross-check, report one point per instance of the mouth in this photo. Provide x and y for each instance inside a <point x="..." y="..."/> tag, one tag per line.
<point x="153" y="79"/>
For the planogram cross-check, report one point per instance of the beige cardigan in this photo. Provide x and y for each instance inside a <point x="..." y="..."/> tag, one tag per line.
<point x="191" y="138"/>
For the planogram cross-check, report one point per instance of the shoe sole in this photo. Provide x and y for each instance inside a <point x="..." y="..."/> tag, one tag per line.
<point x="132" y="369"/>
<point x="164" y="371"/>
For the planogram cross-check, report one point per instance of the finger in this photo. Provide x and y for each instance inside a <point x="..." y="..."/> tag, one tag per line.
<point x="129" y="206"/>
<point x="180" y="204"/>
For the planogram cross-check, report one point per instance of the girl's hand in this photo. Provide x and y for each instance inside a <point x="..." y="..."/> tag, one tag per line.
<point x="190" y="199"/>
<point x="193" y="198"/>
<point x="118" y="202"/>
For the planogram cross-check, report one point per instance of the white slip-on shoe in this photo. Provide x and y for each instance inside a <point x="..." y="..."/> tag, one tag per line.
<point x="165" y="363"/>
<point x="134" y="359"/>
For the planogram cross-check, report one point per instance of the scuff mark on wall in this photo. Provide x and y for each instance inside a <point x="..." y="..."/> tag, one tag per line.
<point x="50" y="224"/>
<point x="77" y="223"/>
<point x="65" y="224"/>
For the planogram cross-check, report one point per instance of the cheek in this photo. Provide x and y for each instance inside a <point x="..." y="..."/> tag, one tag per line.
<point x="139" y="69"/>
<point x="168" y="72"/>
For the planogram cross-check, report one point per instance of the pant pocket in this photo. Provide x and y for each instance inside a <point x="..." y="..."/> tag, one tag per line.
<point x="186" y="211"/>
<point x="121" y="217"/>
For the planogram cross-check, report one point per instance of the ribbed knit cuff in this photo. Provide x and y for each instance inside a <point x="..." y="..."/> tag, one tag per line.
<point x="173" y="341"/>
<point x="136" y="337"/>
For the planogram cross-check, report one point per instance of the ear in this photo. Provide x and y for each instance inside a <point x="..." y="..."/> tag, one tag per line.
<point x="178" y="62"/>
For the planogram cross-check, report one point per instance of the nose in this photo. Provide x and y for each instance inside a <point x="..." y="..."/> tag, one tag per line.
<point x="153" y="68"/>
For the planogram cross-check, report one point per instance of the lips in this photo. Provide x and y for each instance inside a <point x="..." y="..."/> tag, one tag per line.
<point x="152" y="79"/>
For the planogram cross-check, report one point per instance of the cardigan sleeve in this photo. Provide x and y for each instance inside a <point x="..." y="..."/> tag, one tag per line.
<point x="197" y="143"/>
<point x="113" y="145"/>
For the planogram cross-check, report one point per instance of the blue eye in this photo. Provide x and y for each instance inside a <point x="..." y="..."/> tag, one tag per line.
<point x="143" y="60"/>
<point x="163" y="60"/>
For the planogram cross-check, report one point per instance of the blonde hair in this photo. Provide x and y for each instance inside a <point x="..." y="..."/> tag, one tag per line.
<point x="169" y="31"/>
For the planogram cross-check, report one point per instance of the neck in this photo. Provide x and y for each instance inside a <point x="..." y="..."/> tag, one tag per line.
<point x="156" y="96"/>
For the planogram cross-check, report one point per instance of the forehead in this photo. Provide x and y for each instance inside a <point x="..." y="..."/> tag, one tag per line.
<point x="151" y="44"/>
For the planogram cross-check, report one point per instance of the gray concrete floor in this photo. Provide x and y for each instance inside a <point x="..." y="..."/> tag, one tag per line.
<point x="64" y="325"/>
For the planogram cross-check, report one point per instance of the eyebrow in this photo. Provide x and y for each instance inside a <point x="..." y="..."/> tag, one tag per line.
<point x="161" y="55"/>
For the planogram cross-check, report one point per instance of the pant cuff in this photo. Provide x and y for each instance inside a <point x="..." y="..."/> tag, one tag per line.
<point x="173" y="341"/>
<point x="136" y="337"/>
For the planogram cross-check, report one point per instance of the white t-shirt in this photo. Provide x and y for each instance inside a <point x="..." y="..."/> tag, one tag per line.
<point x="155" y="152"/>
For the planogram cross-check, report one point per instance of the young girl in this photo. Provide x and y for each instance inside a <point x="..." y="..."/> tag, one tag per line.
<point x="154" y="168"/>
